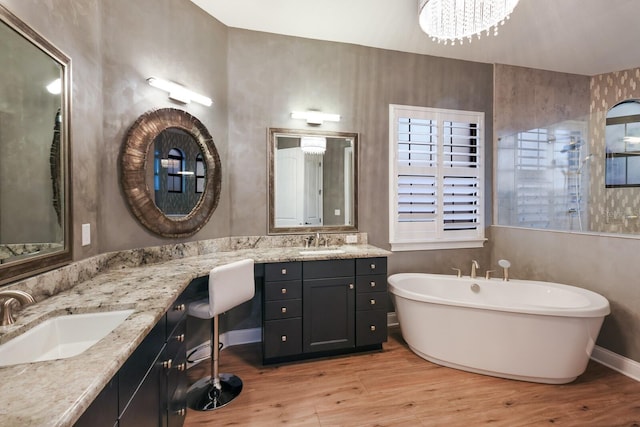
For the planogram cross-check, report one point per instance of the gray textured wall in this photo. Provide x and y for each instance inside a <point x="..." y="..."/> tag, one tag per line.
<point x="605" y="264"/>
<point x="272" y="75"/>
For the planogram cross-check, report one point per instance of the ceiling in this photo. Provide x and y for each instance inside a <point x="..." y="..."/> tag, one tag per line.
<point x="586" y="37"/>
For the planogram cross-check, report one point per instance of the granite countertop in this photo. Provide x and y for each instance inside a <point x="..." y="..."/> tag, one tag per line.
<point x="56" y="393"/>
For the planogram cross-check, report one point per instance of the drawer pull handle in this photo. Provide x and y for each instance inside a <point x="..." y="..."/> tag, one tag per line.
<point x="179" y="307"/>
<point x="350" y="285"/>
<point x="180" y="338"/>
<point x="283" y="309"/>
<point x="284" y="290"/>
<point x="182" y="367"/>
<point x="373" y="266"/>
<point x="373" y="328"/>
<point x="373" y="302"/>
<point x="283" y="338"/>
<point x="284" y="271"/>
<point x="167" y="364"/>
<point x="373" y="284"/>
<point x="181" y="412"/>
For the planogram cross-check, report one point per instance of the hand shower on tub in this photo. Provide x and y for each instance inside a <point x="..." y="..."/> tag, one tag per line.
<point x="505" y="269"/>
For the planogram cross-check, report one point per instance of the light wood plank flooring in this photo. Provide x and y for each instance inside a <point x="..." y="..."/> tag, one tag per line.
<point x="397" y="388"/>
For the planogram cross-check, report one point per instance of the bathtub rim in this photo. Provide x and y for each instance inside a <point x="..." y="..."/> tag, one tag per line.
<point x="598" y="304"/>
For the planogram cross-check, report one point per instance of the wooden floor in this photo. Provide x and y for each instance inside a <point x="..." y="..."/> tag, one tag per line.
<point x="397" y="388"/>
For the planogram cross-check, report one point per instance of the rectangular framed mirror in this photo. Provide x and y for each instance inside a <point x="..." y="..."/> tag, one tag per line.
<point x="34" y="151"/>
<point x="313" y="181"/>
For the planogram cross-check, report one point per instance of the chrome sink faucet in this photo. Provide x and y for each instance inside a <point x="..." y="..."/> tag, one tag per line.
<point x="474" y="267"/>
<point x="9" y="296"/>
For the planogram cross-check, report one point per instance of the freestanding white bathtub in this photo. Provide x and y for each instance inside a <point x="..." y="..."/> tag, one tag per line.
<point x="519" y="329"/>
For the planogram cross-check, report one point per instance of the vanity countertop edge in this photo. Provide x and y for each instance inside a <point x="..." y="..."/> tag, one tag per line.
<point x="57" y="392"/>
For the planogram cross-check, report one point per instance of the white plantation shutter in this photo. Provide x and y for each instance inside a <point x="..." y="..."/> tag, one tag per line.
<point x="435" y="178"/>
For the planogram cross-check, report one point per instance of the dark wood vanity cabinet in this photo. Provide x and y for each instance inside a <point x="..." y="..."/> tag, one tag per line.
<point x="318" y="308"/>
<point x="150" y="388"/>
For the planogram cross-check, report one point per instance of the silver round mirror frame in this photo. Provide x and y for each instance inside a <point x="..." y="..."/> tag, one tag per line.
<point x="133" y="165"/>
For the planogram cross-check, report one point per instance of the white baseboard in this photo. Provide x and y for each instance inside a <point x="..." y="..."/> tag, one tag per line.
<point x="392" y="319"/>
<point x="627" y="367"/>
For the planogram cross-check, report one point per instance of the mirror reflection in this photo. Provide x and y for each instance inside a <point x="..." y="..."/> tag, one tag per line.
<point x="312" y="181"/>
<point x="33" y="151"/>
<point x="178" y="175"/>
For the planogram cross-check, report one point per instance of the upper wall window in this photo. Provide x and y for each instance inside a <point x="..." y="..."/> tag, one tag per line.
<point x="623" y="145"/>
<point x="436" y="172"/>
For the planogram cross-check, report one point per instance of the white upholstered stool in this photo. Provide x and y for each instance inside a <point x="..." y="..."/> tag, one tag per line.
<point x="229" y="285"/>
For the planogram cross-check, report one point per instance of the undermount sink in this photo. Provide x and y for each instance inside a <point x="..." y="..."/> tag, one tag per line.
<point x="321" y="251"/>
<point x="60" y="337"/>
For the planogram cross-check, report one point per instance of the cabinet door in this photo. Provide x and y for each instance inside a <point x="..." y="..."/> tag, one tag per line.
<point x="103" y="412"/>
<point x="328" y="314"/>
<point x="144" y="409"/>
<point x="136" y="367"/>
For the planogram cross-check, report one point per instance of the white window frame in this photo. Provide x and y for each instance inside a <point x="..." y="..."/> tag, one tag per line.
<point x="423" y="234"/>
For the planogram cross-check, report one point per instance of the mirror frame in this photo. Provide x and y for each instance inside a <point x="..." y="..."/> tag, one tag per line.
<point x="273" y="133"/>
<point x="32" y="265"/>
<point x="133" y="166"/>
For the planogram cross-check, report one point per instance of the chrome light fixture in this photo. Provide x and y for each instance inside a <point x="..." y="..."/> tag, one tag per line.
<point x="178" y="92"/>
<point x="315" y="117"/>
<point x="451" y="21"/>
<point x="313" y="145"/>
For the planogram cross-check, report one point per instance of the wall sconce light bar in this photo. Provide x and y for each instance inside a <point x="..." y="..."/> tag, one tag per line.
<point x="315" y="117"/>
<point x="178" y="92"/>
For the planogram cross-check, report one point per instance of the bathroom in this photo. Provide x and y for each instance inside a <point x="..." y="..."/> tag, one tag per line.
<point x="257" y="79"/>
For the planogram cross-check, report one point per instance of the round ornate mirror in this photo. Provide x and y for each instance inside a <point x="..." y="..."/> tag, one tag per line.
<point x="170" y="151"/>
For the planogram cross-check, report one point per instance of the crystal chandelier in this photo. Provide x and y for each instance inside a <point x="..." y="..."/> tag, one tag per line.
<point x="455" y="20"/>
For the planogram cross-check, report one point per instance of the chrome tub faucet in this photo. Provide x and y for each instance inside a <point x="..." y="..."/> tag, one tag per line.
<point x="474" y="267"/>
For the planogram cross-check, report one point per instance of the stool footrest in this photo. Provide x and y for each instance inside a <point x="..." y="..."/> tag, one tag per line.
<point x="203" y="395"/>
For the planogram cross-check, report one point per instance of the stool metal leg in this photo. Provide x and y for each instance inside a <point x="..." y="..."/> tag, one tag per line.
<point x="216" y="390"/>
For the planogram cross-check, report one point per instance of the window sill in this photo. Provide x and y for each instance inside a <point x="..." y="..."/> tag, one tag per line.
<point x="437" y="245"/>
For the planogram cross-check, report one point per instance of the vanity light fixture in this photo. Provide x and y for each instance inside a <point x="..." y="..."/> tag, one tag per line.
<point x="315" y="117"/>
<point x="55" y="87"/>
<point x="178" y="92"/>
<point x="455" y="20"/>
<point x="313" y="144"/>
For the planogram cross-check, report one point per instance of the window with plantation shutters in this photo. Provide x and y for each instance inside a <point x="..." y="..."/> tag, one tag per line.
<point x="435" y="178"/>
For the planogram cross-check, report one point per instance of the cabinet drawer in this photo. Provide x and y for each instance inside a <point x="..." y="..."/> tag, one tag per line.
<point x="177" y="336"/>
<point x="371" y="327"/>
<point x="282" y="271"/>
<point x="371" y="301"/>
<point x="282" y="338"/>
<point x="371" y="265"/>
<point x="285" y="309"/>
<point x="371" y="283"/>
<point x="277" y="291"/>
<point x="328" y="269"/>
<point x="174" y="366"/>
